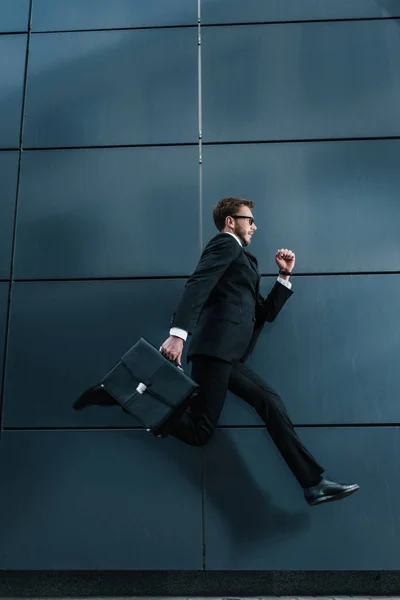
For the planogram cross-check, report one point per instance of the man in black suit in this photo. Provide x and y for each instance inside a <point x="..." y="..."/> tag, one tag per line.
<point x="224" y="312"/>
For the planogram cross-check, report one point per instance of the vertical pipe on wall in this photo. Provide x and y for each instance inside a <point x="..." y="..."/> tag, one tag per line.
<point x="200" y="123"/>
<point x="200" y="134"/>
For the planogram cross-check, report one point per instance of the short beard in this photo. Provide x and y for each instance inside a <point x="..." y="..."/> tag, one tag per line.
<point x="244" y="242"/>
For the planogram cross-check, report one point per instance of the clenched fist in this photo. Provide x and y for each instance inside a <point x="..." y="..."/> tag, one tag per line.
<point x="285" y="259"/>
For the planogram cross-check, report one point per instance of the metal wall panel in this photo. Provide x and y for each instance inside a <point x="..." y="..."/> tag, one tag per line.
<point x="301" y="81"/>
<point x="12" y="65"/>
<point x="333" y="203"/>
<point x="99" y="500"/>
<point x="4" y="290"/>
<point x="237" y="11"/>
<point x="112" y="88"/>
<point x="8" y="177"/>
<point x="257" y="519"/>
<point x="58" y="15"/>
<point x="14" y="15"/>
<point x="64" y="336"/>
<point x="332" y="352"/>
<point x="119" y="212"/>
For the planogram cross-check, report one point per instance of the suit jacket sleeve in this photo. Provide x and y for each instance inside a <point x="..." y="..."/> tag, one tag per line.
<point x="215" y="259"/>
<point x="270" y="307"/>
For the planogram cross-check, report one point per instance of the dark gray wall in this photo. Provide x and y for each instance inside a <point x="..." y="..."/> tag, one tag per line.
<point x="104" y="208"/>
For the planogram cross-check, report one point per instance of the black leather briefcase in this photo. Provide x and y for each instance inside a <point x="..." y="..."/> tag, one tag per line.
<point x="150" y="387"/>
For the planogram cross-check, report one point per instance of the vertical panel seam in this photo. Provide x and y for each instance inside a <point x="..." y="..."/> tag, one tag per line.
<point x="10" y="288"/>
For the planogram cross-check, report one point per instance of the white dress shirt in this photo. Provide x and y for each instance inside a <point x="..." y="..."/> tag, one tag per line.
<point x="183" y="334"/>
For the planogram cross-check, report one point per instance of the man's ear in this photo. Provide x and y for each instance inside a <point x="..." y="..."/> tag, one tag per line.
<point x="228" y="221"/>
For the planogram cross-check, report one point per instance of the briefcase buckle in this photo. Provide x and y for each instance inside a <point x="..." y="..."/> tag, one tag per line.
<point x="141" y="388"/>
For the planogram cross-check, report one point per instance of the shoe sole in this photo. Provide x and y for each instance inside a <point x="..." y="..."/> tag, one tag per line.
<point x="334" y="497"/>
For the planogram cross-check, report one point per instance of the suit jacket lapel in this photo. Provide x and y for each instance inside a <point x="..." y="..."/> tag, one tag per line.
<point x="253" y="263"/>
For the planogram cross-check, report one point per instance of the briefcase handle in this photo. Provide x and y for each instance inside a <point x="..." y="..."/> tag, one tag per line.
<point x="173" y="361"/>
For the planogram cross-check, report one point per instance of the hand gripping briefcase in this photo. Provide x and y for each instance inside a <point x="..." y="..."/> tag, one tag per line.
<point x="149" y="387"/>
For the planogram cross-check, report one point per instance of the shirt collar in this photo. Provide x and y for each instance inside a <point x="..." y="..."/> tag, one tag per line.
<point x="235" y="236"/>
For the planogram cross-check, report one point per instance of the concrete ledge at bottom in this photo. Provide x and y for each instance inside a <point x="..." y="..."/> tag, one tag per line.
<point x="210" y="584"/>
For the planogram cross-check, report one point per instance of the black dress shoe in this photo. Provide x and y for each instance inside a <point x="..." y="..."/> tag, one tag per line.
<point x="328" y="491"/>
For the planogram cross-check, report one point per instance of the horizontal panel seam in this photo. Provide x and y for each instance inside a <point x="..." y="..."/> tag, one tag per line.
<point x="299" y="21"/>
<point x="302" y="140"/>
<point x="219" y="427"/>
<point x="211" y="24"/>
<point x="110" y="146"/>
<point x="99" y="29"/>
<point x="22" y="32"/>
<point x="173" y="277"/>
<point x="209" y="143"/>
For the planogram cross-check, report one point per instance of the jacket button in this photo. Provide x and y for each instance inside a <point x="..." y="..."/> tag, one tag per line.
<point x="254" y="319"/>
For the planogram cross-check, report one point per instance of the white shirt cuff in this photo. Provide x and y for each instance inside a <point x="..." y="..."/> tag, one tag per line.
<point x="285" y="283"/>
<point x="178" y="332"/>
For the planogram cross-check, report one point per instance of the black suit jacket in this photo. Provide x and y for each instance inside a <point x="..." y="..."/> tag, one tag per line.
<point x="221" y="306"/>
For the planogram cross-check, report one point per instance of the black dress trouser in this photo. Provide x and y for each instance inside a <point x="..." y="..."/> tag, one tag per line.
<point x="215" y="377"/>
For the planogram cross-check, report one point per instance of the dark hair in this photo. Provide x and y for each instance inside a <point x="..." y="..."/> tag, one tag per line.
<point x="227" y="207"/>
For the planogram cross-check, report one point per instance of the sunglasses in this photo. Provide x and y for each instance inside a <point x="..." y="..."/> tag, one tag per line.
<point x="250" y="219"/>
